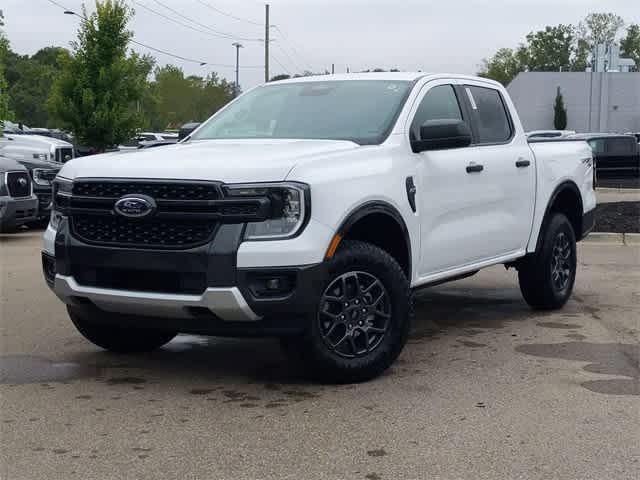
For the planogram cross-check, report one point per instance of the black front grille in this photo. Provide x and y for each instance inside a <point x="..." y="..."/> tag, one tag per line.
<point x="154" y="233"/>
<point x="19" y="184"/>
<point x="64" y="154"/>
<point x="22" y="214"/>
<point x="194" y="283"/>
<point x="156" y="190"/>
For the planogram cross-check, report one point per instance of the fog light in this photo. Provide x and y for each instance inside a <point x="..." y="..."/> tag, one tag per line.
<point x="271" y="284"/>
<point x="49" y="268"/>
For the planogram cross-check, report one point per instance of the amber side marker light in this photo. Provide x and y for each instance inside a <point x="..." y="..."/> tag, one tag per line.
<point x="333" y="246"/>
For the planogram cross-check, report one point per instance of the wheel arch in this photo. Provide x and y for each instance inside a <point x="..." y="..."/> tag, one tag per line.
<point x="396" y="241"/>
<point x="565" y="199"/>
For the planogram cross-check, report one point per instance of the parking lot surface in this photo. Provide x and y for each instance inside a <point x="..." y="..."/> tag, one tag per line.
<point x="485" y="389"/>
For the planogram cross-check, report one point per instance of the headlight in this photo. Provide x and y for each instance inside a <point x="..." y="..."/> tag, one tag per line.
<point x="62" y="189"/>
<point x="290" y="208"/>
<point x="40" y="156"/>
<point x="42" y="176"/>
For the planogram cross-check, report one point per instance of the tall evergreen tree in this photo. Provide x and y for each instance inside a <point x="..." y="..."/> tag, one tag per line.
<point x="560" y="112"/>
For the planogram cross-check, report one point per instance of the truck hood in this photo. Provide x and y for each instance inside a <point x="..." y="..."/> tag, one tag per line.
<point x="228" y="161"/>
<point x="35" y="141"/>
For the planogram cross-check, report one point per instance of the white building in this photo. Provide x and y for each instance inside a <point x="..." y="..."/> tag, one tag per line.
<point x="595" y="101"/>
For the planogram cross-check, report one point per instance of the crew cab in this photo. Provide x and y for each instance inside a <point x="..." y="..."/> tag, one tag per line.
<point x="18" y="204"/>
<point x="309" y="210"/>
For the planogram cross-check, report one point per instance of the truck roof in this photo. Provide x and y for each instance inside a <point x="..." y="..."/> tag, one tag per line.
<point x="388" y="76"/>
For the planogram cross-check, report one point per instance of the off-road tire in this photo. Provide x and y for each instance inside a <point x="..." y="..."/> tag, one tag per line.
<point x="373" y="352"/>
<point x="548" y="276"/>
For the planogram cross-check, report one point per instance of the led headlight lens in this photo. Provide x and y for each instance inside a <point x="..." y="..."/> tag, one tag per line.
<point x="289" y="208"/>
<point x="62" y="189"/>
<point x="40" y="156"/>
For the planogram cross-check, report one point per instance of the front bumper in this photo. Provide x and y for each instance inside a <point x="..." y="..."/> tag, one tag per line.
<point x="201" y="290"/>
<point x="16" y="212"/>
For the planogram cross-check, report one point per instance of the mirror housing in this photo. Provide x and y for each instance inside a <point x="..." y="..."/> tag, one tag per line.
<point x="442" y="135"/>
<point x="186" y="130"/>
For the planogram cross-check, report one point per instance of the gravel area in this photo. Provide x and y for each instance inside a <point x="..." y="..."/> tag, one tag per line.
<point x="619" y="217"/>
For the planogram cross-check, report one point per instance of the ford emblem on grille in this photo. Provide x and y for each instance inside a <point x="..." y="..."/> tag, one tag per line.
<point x="135" y="206"/>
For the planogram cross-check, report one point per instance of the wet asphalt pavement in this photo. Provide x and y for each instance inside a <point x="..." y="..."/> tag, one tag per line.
<point x="486" y="389"/>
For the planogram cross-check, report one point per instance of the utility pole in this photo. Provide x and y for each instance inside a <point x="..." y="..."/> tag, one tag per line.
<point x="237" y="88"/>
<point x="333" y="68"/>
<point x="266" y="43"/>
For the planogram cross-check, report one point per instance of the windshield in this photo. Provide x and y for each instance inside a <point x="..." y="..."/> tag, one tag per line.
<point x="362" y="111"/>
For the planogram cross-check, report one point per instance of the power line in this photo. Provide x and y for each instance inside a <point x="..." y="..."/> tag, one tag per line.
<point x="291" y="46"/>
<point x="226" y="14"/>
<point x="158" y="50"/>
<point x="295" y="65"/>
<point x="216" y="35"/>
<point x="227" y="35"/>
<point x="280" y="64"/>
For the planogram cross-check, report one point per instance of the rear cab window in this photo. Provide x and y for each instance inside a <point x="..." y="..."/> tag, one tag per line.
<point x="621" y="146"/>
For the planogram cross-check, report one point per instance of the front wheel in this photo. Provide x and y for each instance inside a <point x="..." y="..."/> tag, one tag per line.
<point x="547" y="277"/>
<point x="362" y="319"/>
<point x="118" y="339"/>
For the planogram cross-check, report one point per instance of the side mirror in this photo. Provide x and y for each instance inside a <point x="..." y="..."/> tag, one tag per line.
<point x="441" y="135"/>
<point x="186" y="130"/>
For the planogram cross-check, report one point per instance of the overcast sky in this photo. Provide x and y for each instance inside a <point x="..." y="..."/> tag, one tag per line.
<point x="428" y="35"/>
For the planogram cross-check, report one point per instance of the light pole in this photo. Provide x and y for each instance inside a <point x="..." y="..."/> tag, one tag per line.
<point x="238" y="47"/>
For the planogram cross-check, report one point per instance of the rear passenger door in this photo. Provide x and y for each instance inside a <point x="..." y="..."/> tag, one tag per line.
<point x="508" y="171"/>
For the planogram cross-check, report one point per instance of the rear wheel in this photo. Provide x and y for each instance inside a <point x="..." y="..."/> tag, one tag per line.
<point x="547" y="277"/>
<point x="362" y="319"/>
<point x="118" y="339"/>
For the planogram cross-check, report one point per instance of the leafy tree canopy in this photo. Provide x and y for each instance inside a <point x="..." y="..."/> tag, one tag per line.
<point x="99" y="82"/>
<point x="555" y="48"/>
<point x="630" y="44"/>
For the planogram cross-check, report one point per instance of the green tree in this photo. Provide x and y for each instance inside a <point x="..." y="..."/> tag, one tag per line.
<point x="282" y="76"/>
<point x="630" y="44"/>
<point x="504" y="66"/>
<point x="551" y="49"/>
<point x="600" y="28"/>
<point x="175" y="99"/>
<point x="559" y="112"/>
<point x="5" y="112"/>
<point x="96" y="93"/>
<point x="29" y="83"/>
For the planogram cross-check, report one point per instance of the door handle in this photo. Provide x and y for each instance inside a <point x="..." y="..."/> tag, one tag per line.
<point x="473" y="168"/>
<point x="523" y="163"/>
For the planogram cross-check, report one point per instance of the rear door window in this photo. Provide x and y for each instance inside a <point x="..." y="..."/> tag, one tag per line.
<point x="491" y="117"/>
<point x="620" y="146"/>
<point x="597" y="146"/>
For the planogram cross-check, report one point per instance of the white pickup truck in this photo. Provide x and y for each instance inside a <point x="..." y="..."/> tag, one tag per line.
<point x="309" y="210"/>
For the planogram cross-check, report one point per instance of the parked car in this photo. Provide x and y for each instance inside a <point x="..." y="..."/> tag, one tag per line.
<point x="615" y="155"/>
<point x="38" y="147"/>
<point x="637" y="135"/>
<point x="550" y="133"/>
<point x="148" y="138"/>
<point x="315" y="220"/>
<point x="42" y="175"/>
<point x="18" y="204"/>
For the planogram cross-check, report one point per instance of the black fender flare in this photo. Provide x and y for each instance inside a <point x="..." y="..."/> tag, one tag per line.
<point x="566" y="185"/>
<point x="378" y="207"/>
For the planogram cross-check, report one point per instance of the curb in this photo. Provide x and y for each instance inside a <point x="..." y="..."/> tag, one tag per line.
<point x="614" y="238"/>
